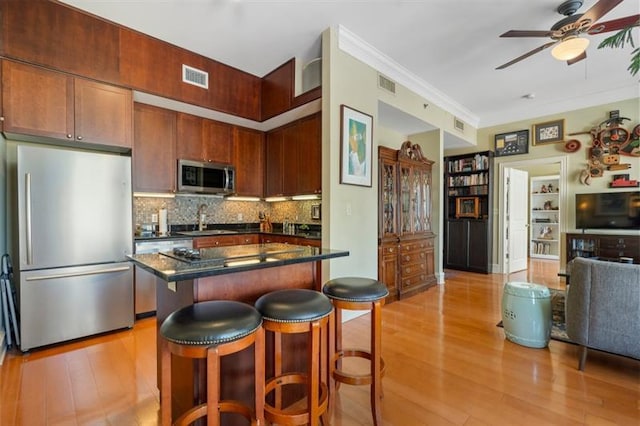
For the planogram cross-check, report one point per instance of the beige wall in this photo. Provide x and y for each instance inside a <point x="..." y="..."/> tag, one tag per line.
<point x="575" y="121"/>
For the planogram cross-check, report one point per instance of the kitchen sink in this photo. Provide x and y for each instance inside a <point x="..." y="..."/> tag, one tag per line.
<point x="309" y="234"/>
<point x="206" y="232"/>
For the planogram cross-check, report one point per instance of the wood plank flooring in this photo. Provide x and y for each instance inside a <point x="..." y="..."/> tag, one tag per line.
<point x="447" y="364"/>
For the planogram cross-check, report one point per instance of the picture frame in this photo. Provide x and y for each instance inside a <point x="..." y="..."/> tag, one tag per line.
<point x="356" y="143"/>
<point x="548" y="132"/>
<point x="467" y="207"/>
<point x="511" y="143"/>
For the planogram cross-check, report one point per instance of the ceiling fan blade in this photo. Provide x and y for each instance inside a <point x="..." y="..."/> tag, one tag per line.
<point x="599" y="9"/>
<point x="578" y="58"/>
<point x="524" y="33"/>
<point x="526" y="55"/>
<point x="614" y="24"/>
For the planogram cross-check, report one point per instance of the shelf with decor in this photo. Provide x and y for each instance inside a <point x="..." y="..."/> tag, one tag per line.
<point x="468" y="180"/>
<point x="544" y="223"/>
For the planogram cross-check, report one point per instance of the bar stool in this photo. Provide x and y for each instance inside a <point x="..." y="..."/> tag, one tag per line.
<point x="210" y="330"/>
<point x="297" y="311"/>
<point x="357" y="294"/>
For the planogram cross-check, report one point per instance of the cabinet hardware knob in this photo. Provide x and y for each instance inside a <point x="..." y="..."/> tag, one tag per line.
<point x="69" y="136"/>
<point x="1" y="118"/>
<point x="79" y="138"/>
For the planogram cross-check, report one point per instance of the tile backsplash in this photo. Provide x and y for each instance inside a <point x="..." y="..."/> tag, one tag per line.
<point x="183" y="210"/>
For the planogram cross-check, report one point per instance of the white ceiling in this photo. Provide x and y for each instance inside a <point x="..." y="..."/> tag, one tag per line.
<point x="451" y="47"/>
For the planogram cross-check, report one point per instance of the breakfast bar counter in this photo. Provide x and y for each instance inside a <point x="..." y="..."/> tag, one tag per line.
<point x="242" y="273"/>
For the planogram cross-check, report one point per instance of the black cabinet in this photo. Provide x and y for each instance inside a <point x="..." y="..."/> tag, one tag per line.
<point x="468" y="202"/>
<point x="466" y="248"/>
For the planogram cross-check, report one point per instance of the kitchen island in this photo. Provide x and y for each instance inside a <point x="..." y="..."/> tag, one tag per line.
<point x="242" y="273"/>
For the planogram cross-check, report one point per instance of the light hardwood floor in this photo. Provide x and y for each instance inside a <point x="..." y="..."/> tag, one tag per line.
<point x="447" y="363"/>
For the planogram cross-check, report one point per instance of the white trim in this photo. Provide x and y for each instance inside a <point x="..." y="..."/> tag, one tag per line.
<point x="562" y="199"/>
<point x="363" y="51"/>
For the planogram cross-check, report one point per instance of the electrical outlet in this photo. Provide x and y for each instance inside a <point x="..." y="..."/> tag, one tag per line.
<point x="240" y="217"/>
<point x="348" y="209"/>
<point x="154" y="217"/>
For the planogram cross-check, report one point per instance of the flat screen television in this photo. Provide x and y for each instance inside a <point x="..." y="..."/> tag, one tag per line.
<point x="608" y="210"/>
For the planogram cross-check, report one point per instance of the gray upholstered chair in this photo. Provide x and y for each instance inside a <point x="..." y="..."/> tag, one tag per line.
<point x="603" y="307"/>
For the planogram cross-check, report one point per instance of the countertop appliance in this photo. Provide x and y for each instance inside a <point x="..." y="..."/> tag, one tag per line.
<point x="206" y="178"/>
<point x="145" y="282"/>
<point x="73" y="216"/>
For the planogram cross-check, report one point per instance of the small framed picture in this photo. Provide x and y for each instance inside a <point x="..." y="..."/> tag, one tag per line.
<point x="467" y="207"/>
<point x="512" y="143"/>
<point x="549" y="132"/>
<point x="356" y="138"/>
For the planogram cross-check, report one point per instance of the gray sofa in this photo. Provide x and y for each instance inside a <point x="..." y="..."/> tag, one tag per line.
<point x="602" y="307"/>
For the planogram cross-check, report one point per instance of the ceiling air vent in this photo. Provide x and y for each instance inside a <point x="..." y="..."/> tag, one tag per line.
<point x="458" y="124"/>
<point x="386" y="84"/>
<point x="195" y="76"/>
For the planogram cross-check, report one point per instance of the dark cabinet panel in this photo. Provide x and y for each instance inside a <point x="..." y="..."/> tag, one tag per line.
<point x="274" y="163"/>
<point x="58" y="37"/>
<point x="248" y="157"/>
<point x="605" y="246"/>
<point x="154" y="152"/>
<point x="466" y="246"/>
<point x="217" y="141"/>
<point x="189" y="137"/>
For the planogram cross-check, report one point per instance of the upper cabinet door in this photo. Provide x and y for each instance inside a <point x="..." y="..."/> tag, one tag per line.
<point x="189" y="137"/>
<point x="309" y="163"/>
<point x="36" y="101"/>
<point x="217" y="141"/>
<point x="103" y="114"/>
<point x="248" y="146"/>
<point x="154" y="153"/>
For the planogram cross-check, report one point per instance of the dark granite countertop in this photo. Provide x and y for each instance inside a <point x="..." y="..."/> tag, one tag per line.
<point x="178" y="235"/>
<point x="227" y="260"/>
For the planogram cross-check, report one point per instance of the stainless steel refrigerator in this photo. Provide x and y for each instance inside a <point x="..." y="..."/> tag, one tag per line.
<point x="73" y="220"/>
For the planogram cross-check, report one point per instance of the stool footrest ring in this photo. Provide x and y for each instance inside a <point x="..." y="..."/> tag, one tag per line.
<point x="351" y="378"/>
<point x="294" y="414"/>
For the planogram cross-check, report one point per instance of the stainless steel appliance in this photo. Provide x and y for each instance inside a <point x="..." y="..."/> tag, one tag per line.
<point x="145" y="282"/>
<point x="73" y="214"/>
<point x="205" y="178"/>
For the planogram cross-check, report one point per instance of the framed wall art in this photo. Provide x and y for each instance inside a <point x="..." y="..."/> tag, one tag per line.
<point x="356" y="139"/>
<point x="468" y="207"/>
<point x="511" y="143"/>
<point x="549" y="132"/>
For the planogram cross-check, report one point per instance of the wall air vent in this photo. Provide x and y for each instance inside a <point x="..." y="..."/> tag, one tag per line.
<point x="458" y="124"/>
<point x="386" y="84"/>
<point x="195" y="76"/>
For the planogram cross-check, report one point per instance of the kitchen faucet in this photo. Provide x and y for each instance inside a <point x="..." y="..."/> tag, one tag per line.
<point x="201" y="217"/>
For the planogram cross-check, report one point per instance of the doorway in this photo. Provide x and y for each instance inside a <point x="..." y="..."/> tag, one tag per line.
<point x="557" y="164"/>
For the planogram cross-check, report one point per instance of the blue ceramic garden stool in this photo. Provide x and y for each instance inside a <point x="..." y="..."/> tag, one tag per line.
<point x="297" y="311"/>
<point x="357" y="294"/>
<point x="211" y="330"/>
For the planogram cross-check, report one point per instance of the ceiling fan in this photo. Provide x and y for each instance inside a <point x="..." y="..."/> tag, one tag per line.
<point x="565" y="33"/>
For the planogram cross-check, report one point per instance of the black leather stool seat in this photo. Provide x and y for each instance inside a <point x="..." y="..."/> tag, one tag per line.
<point x="355" y="289"/>
<point x="294" y="305"/>
<point x="211" y="323"/>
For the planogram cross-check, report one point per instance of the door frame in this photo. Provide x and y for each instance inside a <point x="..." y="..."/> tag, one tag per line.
<point x="564" y="164"/>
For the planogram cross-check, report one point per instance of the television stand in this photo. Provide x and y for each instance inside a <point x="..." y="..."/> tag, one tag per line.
<point x="611" y="247"/>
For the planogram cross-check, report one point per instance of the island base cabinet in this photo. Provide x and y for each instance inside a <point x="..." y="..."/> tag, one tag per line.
<point x="189" y="377"/>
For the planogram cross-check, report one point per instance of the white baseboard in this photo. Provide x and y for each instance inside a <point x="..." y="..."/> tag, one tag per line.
<point x="3" y="347"/>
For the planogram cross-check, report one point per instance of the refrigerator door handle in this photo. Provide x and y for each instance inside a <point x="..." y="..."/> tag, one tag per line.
<point x="78" y="274"/>
<point x="28" y="218"/>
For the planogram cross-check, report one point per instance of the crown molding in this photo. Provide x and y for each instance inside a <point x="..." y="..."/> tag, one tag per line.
<point x="361" y="50"/>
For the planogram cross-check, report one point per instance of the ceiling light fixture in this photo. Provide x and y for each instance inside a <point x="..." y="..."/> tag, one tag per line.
<point x="570" y="48"/>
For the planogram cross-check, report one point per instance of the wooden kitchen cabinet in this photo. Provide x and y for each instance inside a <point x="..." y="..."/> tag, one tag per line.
<point x="248" y="158"/>
<point x="154" y="149"/>
<point x="294" y="158"/>
<point x="225" y="240"/>
<point x="39" y="102"/>
<point x="201" y="139"/>
<point x="62" y="38"/>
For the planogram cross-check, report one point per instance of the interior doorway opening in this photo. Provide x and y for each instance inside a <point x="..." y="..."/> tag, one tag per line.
<point x="535" y="167"/>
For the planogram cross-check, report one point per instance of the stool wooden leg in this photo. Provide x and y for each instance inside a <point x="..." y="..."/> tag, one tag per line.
<point x="213" y="387"/>
<point x="277" y="369"/>
<point x="165" y="384"/>
<point x="259" y="377"/>
<point x="314" y="371"/>
<point x="376" y="354"/>
<point x="331" y="382"/>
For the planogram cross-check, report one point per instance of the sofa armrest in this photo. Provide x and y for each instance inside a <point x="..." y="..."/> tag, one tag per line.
<point x="577" y="302"/>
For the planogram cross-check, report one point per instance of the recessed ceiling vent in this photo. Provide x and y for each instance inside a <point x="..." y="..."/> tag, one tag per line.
<point x="195" y="76"/>
<point x="458" y="124"/>
<point x="386" y="84"/>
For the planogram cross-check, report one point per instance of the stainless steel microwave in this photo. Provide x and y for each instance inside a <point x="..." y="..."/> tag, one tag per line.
<point x="206" y="178"/>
